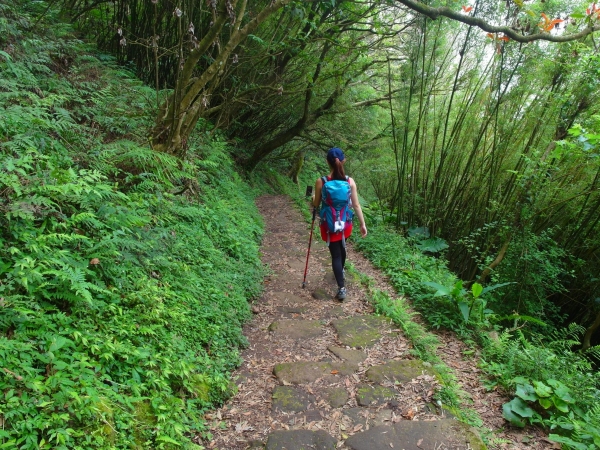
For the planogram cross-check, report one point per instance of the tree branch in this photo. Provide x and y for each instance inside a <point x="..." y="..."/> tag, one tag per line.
<point x="434" y="13"/>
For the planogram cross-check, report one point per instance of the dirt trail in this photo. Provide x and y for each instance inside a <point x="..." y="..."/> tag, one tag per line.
<point x="321" y="374"/>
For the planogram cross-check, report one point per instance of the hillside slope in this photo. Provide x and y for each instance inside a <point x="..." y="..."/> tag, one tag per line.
<point x="124" y="280"/>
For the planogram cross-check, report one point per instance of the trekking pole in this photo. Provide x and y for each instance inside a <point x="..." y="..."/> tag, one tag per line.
<point x="312" y="226"/>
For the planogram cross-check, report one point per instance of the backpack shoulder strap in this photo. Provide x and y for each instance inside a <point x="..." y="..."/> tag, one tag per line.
<point x="324" y="180"/>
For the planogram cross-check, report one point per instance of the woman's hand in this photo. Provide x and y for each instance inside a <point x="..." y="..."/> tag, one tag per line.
<point x="363" y="230"/>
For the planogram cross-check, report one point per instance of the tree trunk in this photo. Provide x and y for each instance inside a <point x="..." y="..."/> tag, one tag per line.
<point x="179" y="114"/>
<point x="486" y="272"/>
<point x="297" y="164"/>
<point x="587" y="338"/>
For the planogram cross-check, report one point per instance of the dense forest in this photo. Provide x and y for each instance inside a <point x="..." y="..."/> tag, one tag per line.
<point x="130" y="130"/>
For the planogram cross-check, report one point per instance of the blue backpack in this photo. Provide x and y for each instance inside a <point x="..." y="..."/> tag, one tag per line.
<point x="335" y="206"/>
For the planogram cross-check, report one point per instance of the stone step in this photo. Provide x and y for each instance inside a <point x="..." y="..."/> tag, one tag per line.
<point x="367" y="395"/>
<point x="361" y="331"/>
<point x="303" y="372"/>
<point x="300" y="440"/>
<point x="401" y="371"/>
<point x="349" y="355"/>
<point x="296" y="329"/>
<point x="290" y="399"/>
<point x="417" y="435"/>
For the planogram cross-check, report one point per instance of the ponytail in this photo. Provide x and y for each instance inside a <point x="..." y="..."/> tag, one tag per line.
<point x="338" y="170"/>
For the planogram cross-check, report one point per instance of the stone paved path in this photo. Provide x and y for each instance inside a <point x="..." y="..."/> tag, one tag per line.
<point x="320" y="374"/>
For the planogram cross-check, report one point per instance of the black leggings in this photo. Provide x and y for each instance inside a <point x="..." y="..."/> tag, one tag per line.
<point x="338" y="260"/>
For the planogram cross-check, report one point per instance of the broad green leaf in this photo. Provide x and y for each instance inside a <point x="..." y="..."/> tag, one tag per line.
<point x="464" y="309"/>
<point x="418" y="232"/>
<point x="509" y="415"/>
<point x="545" y="402"/>
<point x="520" y="380"/>
<point x="457" y="290"/>
<point x="541" y="389"/>
<point x="526" y="392"/>
<point x="560" y="404"/>
<point x="577" y="16"/>
<point x="561" y="391"/>
<point x="521" y="408"/>
<point x="58" y="342"/>
<point x="441" y="290"/>
<point x="495" y="286"/>
<point x="432" y="245"/>
<point x="476" y="289"/>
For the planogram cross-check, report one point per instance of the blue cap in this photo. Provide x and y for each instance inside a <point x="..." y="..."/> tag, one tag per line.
<point x="334" y="153"/>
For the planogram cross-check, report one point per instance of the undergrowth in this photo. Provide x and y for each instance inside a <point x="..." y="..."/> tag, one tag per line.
<point x="517" y="358"/>
<point x="124" y="278"/>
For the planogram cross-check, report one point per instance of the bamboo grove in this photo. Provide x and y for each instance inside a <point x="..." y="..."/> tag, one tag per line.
<point x="494" y="150"/>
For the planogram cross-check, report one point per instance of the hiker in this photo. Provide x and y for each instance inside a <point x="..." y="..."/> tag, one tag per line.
<point x="340" y="195"/>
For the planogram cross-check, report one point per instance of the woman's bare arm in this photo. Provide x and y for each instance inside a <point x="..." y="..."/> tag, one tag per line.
<point x="317" y="196"/>
<point x="357" y="208"/>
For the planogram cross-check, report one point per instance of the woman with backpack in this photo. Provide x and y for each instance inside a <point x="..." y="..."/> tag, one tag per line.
<point x="336" y="194"/>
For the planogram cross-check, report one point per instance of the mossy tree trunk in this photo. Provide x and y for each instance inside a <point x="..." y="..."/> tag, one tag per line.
<point x="190" y="100"/>
<point x="297" y="164"/>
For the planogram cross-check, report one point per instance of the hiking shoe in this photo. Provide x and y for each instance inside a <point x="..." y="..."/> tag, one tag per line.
<point x="341" y="294"/>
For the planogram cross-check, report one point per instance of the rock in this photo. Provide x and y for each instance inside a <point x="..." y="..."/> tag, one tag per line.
<point x="416" y="435"/>
<point x="371" y="417"/>
<point x="367" y="395"/>
<point x="330" y="277"/>
<point x="296" y="329"/>
<point x="312" y="415"/>
<point x="296" y="265"/>
<point x="287" y="299"/>
<point x="321" y="294"/>
<point x="443" y="412"/>
<point x="290" y="399"/>
<point x="335" y="396"/>
<point x="300" y="440"/>
<point x="400" y="371"/>
<point x="352" y="356"/>
<point x="308" y="371"/>
<point x="291" y="311"/>
<point x="360" y="331"/>
<point x="334" y="312"/>
<point x="493" y="335"/>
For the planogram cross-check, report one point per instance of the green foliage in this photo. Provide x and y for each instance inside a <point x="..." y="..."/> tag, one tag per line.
<point x="469" y="302"/>
<point x="515" y="360"/>
<point x="124" y="277"/>
<point x="409" y="270"/>
<point x="554" y="385"/>
<point x="539" y="268"/>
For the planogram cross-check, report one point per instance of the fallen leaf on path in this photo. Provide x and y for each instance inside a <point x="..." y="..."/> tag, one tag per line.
<point x="243" y="426"/>
<point x="409" y="414"/>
